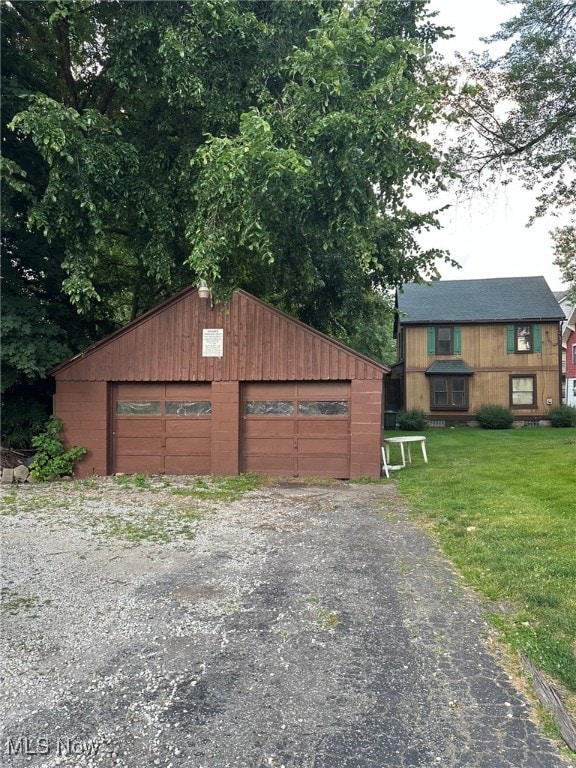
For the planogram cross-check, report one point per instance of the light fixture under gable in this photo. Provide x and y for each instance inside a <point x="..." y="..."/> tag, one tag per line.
<point x="203" y="290"/>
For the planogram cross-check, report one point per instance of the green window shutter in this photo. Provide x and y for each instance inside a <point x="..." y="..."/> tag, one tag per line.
<point x="457" y="340"/>
<point x="510" y="339"/>
<point x="431" y="340"/>
<point x="537" y="331"/>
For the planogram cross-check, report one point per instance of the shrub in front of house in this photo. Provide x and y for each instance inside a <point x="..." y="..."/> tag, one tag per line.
<point x="562" y="416"/>
<point x="412" y="420"/>
<point x="495" y="417"/>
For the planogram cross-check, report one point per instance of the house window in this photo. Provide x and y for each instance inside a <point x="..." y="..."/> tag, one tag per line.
<point x="574" y="355"/>
<point x="524" y="338"/>
<point x="449" y="393"/>
<point x="522" y="391"/>
<point x="444" y="340"/>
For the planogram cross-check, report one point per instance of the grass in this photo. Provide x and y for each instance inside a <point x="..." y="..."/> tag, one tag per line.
<point x="503" y="507"/>
<point x="136" y="481"/>
<point x="178" y="518"/>
<point x="12" y="602"/>
<point x="218" y="488"/>
<point x="215" y="488"/>
<point x="169" y="510"/>
<point x="9" y="502"/>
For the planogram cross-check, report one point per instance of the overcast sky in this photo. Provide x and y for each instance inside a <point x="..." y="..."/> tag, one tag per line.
<point x="489" y="237"/>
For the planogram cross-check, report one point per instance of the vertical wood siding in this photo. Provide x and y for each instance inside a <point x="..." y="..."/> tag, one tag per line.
<point x="484" y="350"/>
<point x="483" y="347"/>
<point x="487" y="388"/>
<point x="260" y="344"/>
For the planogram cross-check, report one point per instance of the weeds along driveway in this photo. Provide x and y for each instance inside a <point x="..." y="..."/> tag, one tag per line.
<point x="301" y="625"/>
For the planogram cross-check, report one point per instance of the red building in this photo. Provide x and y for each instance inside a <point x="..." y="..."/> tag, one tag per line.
<point x="569" y="345"/>
<point x="192" y="388"/>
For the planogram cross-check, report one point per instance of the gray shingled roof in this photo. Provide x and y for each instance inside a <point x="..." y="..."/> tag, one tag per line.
<point x="449" y="367"/>
<point x="478" y="301"/>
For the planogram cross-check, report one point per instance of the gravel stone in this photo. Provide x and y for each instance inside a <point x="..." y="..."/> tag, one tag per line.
<point x="304" y="626"/>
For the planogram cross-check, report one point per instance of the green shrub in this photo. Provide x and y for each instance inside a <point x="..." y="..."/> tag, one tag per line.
<point x="563" y="416"/>
<point x="495" y="417"/>
<point x="412" y="420"/>
<point x="51" y="460"/>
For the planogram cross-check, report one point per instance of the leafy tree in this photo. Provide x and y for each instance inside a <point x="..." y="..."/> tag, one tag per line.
<point x="312" y="189"/>
<point x="519" y="113"/>
<point x="39" y="326"/>
<point x="140" y="84"/>
<point x="565" y="248"/>
<point x="262" y="145"/>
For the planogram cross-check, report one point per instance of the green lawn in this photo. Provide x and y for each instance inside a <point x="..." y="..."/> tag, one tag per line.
<point x="503" y="506"/>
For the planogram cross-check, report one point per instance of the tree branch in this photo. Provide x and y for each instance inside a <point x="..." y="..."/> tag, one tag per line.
<point x="117" y="231"/>
<point x="67" y="82"/>
<point x="106" y="98"/>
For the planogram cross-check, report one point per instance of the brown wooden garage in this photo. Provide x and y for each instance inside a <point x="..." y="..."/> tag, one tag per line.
<point x="161" y="428"/>
<point x="193" y="388"/>
<point x="296" y="428"/>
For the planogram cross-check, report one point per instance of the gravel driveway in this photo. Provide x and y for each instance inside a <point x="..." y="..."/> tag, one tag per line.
<point x="308" y="626"/>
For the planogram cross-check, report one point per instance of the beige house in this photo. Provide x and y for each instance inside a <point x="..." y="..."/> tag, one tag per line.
<point x="467" y="343"/>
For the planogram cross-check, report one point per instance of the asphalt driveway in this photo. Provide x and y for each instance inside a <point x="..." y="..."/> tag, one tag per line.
<point x="308" y="626"/>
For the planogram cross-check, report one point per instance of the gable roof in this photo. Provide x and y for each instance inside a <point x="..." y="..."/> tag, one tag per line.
<point x="569" y="327"/>
<point x="259" y="341"/>
<point x="500" y="299"/>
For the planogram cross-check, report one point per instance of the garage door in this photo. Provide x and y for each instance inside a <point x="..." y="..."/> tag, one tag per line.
<point x="296" y="428"/>
<point x="161" y="428"/>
